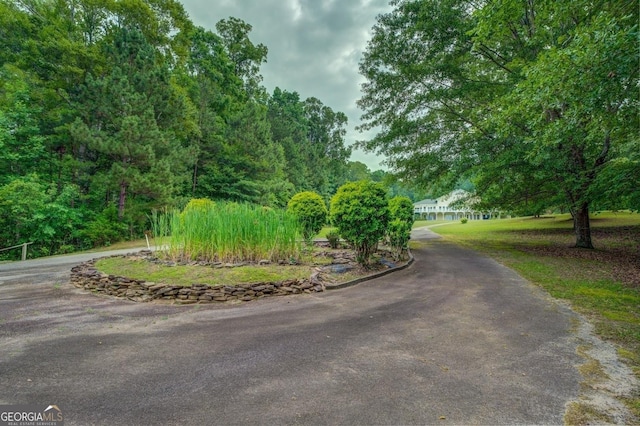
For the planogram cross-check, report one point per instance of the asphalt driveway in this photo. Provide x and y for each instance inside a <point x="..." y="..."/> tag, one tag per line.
<point x="453" y="339"/>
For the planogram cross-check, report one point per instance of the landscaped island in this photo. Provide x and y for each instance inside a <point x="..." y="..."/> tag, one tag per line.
<point x="228" y="251"/>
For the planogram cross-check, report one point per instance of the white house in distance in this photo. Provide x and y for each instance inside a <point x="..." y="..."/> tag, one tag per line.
<point x="441" y="209"/>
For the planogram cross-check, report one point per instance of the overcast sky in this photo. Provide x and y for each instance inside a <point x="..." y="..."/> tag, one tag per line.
<point x="314" y="48"/>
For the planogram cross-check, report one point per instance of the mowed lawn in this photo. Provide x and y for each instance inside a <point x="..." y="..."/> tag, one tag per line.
<point x="603" y="284"/>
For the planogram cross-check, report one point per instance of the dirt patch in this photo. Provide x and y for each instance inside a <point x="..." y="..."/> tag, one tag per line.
<point x="607" y="382"/>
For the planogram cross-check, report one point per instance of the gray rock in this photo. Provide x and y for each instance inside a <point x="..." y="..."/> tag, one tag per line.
<point x="387" y="263"/>
<point x="340" y="269"/>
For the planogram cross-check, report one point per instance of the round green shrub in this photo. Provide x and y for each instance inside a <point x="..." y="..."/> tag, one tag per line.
<point x="398" y="234"/>
<point x="401" y="208"/>
<point x="360" y="211"/>
<point x="399" y="229"/>
<point x="310" y="210"/>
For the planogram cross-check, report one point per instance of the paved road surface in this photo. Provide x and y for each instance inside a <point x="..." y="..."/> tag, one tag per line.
<point x="453" y="339"/>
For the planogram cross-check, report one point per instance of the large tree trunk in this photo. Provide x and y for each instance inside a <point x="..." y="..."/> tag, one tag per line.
<point x="195" y="178"/>
<point x="582" y="226"/>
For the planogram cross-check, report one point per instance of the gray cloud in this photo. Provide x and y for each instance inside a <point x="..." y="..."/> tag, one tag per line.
<point x="314" y="47"/>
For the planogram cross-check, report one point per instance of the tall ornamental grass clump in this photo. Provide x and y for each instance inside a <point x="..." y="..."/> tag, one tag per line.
<point x="230" y="232"/>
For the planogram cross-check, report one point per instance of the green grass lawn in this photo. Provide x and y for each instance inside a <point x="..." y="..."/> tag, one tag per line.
<point x="187" y="275"/>
<point x="602" y="284"/>
<point x="420" y="223"/>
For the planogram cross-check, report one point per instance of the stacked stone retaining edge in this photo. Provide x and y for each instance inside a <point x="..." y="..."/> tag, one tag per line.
<point x="87" y="277"/>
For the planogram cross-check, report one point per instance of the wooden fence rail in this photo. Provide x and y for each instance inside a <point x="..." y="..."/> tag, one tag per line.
<point x="24" y="249"/>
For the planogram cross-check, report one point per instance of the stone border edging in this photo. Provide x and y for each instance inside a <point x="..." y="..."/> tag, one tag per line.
<point x="85" y="276"/>
<point x="370" y="277"/>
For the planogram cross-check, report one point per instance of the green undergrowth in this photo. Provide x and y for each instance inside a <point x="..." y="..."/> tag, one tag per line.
<point x="602" y="284"/>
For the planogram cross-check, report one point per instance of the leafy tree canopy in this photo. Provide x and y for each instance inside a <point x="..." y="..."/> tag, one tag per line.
<point x="528" y="100"/>
<point x="109" y="109"/>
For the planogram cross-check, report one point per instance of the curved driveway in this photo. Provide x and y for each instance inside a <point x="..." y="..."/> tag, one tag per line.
<point x="453" y="339"/>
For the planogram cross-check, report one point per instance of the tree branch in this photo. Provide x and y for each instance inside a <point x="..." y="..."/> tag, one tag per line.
<point x="605" y="150"/>
<point x="488" y="53"/>
<point x="451" y="110"/>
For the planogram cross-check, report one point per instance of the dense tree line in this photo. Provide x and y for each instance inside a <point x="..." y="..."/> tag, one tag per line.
<point x="109" y="109"/>
<point x="533" y="102"/>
